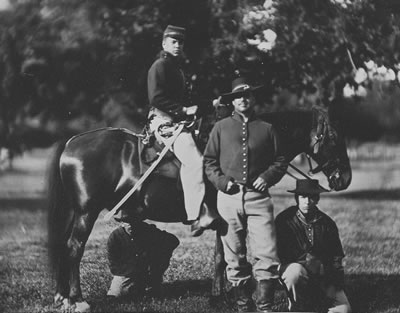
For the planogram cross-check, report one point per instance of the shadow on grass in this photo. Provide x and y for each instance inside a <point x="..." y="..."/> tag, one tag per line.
<point x="18" y="172"/>
<point x="178" y="295"/>
<point x="373" y="292"/>
<point x="372" y="194"/>
<point x="366" y="292"/>
<point x="182" y="288"/>
<point x="31" y="204"/>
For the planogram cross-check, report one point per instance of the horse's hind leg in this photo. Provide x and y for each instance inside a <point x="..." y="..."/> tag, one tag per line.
<point x="81" y="228"/>
<point x="62" y="279"/>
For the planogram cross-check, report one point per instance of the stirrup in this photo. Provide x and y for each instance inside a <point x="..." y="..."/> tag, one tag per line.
<point x="146" y="135"/>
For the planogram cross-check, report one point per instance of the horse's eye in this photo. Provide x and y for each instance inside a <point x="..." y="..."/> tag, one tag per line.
<point x="332" y="135"/>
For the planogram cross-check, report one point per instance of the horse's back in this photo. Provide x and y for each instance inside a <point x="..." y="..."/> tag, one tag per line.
<point x="103" y="140"/>
<point x="98" y="169"/>
<point x="99" y="163"/>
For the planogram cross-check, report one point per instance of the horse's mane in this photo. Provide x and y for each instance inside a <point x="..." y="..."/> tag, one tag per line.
<point x="294" y="127"/>
<point x="288" y="118"/>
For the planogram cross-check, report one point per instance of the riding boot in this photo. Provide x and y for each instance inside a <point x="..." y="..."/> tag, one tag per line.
<point x="208" y="217"/>
<point x="196" y="229"/>
<point x="243" y="297"/>
<point x="265" y="295"/>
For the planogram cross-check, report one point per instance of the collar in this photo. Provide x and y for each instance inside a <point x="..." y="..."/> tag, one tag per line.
<point x="302" y="219"/>
<point x="236" y="116"/>
<point x="169" y="56"/>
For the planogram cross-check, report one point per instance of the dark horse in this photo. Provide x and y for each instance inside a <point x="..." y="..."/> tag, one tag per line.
<point x="94" y="170"/>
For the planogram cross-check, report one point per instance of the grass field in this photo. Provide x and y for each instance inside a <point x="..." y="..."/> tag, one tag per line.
<point x="367" y="214"/>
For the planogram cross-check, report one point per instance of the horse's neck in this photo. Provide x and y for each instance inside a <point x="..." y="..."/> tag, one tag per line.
<point x="294" y="129"/>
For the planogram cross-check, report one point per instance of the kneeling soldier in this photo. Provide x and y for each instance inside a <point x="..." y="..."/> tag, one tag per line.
<point x="311" y="253"/>
<point x="138" y="255"/>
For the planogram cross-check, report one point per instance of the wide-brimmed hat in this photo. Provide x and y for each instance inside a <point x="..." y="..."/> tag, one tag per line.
<point x="240" y="87"/>
<point x="307" y="187"/>
<point x="174" y="32"/>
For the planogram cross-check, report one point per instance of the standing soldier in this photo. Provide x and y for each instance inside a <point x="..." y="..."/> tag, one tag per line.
<point x="243" y="159"/>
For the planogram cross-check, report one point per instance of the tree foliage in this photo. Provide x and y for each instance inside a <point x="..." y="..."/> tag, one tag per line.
<point x="64" y="61"/>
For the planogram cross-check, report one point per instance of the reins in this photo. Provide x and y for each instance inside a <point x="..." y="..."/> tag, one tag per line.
<point x="303" y="174"/>
<point x="167" y="146"/>
<point x="322" y="128"/>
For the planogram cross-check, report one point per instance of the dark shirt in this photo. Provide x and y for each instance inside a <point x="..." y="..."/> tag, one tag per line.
<point x="242" y="151"/>
<point x="128" y="255"/>
<point x="307" y="242"/>
<point x="166" y="86"/>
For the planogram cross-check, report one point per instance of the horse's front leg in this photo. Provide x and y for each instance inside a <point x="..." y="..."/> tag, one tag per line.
<point x="219" y="289"/>
<point x="82" y="226"/>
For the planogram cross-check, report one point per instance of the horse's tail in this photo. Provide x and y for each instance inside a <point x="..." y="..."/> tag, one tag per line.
<point x="59" y="212"/>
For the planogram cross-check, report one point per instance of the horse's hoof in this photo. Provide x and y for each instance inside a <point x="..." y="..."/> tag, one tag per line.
<point x="82" y="307"/>
<point x="58" y="300"/>
<point x="67" y="307"/>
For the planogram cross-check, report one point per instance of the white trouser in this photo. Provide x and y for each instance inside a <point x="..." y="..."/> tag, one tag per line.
<point x="248" y="214"/>
<point x="296" y="277"/>
<point x="191" y="172"/>
<point x="121" y="286"/>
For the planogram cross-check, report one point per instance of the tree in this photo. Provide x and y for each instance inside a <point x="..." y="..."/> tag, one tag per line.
<point x="67" y="60"/>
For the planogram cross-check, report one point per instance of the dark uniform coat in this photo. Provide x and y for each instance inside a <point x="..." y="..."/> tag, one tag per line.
<point x="132" y="255"/>
<point x="166" y="86"/>
<point x="308" y="243"/>
<point x="242" y="151"/>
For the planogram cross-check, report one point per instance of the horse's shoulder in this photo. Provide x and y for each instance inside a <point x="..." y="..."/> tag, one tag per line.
<point x="265" y="123"/>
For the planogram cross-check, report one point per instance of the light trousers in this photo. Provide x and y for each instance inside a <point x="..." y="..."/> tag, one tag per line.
<point x="121" y="286"/>
<point x="248" y="214"/>
<point x="191" y="171"/>
<point x="296" y="279"/>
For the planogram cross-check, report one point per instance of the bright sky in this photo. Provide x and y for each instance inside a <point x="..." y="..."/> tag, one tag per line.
<point x="4" y="4"/>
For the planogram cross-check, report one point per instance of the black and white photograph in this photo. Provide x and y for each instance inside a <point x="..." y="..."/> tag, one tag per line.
<point x="213" y="156"/>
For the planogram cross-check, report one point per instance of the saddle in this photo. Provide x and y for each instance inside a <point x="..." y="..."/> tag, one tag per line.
<point x="149" y="149"/>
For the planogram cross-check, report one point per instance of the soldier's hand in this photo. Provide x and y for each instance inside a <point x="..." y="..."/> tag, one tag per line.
<point x="260" y="184"/>
<point x="190" y="110"/>
<point x="232" y="188"/>
<point x="295" y="271"/>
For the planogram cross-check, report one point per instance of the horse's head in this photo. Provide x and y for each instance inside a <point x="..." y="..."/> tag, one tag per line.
<point x="328" y="149"/>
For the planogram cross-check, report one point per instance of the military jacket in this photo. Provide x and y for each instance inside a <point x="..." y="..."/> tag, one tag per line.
<point x="242" y="151"/>
<point x="307" y="242"/>
<point x="166" y="86"/>
<point x="130" y="255"/>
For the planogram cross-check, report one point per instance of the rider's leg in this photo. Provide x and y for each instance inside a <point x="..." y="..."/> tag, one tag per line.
<point x="193" y="186"/>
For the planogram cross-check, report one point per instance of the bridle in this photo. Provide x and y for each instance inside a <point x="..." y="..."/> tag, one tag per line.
<point x="322" y="130"/>
<point x="305" y="175"/>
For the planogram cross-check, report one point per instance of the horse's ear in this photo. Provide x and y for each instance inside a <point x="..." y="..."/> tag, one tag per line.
<point x="315" y="144"/>
<point x="335" y="110"/>
<point x="315" y="141"/>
